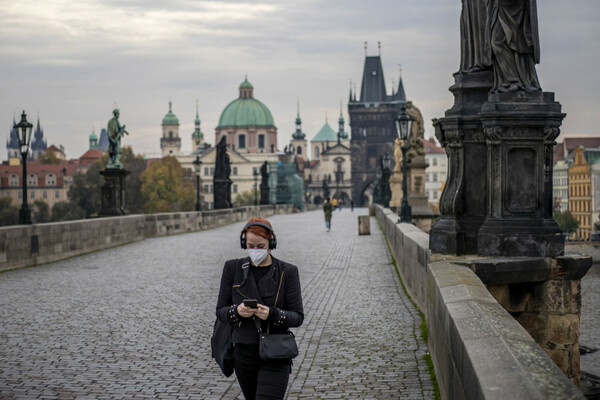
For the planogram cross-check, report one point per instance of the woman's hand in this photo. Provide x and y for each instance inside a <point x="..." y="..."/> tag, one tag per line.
<point x="246" y="312"/>
<point x="262" y="312"/>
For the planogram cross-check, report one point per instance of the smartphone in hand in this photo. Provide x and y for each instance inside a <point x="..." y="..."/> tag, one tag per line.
<point x="252" y="303"/>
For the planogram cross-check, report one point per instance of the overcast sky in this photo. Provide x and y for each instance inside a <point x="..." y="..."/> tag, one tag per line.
<point x="69" y="62"/>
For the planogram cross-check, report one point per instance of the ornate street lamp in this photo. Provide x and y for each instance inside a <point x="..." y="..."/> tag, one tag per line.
<point x="255" y="174"/>
<point x="24" y="129"/>
<point x="197" y="166"/>
<point x="386" y="192"/>
<point x="404" y="126"/>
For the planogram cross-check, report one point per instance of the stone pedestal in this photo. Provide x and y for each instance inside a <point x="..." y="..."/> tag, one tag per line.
<point x="544" y="296"/>
<point x="113" y="192"/>
<point x="222" y="193"/>
<point x="463" y="202"/>
<point x="364" y="225"/>
<point x="264" y="194"/>
<point x="520" y="130"/>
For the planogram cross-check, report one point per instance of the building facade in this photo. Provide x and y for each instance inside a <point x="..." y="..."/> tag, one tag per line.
<point x="560" y="184"/>
<point x="436" y="172"/>
<point x="580" y="194"/>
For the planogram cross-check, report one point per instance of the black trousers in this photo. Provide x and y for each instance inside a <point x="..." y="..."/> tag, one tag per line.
<point x="260" y="380"/>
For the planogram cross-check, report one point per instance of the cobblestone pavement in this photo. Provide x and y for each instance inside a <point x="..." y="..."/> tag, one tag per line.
<point x="135" y="321"/>
<point x="590" y="319"/>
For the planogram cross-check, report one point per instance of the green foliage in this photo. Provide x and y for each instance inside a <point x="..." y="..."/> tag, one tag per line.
<point x="565" y="220"/>
<point x="136" y="165"/>
<point x="84" y="192"/>
<point x="9" y="214"/>
<point x="49" y="157"/>
<point x="246" y="198"/>
<point x="65" y="211"/>
<point x="40" y="212"/>
<point x="164" y="189"/>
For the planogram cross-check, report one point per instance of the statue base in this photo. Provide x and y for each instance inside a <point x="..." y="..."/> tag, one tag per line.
<point x="222" y="193"/>
<point x="264" y="194"/>
<point x="113" y="193"/>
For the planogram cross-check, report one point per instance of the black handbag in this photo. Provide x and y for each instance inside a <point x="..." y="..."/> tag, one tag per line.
<point x="276" y="346"/>
<point x="222" y="346"/>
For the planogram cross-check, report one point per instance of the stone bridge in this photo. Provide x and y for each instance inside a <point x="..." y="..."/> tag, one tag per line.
<point x="125" y="310"/>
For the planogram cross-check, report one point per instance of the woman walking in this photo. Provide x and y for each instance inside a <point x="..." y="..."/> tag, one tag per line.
<point x="327" y="210"/>
<point x="259" y="291"/>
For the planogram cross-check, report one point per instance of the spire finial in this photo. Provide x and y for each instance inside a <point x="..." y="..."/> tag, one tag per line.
<point x="341" y="106"/>
<point x="393" y="85"/>
<point x="379" y="47"/>
<point x="246" y="77"/>
<point x="400" y="69"/>
<point x="326" y="119"/>
<point x="298" y="106"/>
<point x="170" y="104"/>
<point x="365" y="48"/>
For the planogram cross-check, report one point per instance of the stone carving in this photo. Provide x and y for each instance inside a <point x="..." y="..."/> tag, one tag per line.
<point x="415" y="141"/>
<point x="115" y="132"/>
<point x="474" y="39"/>
<point x="515" y="45"/>
<point x="264" y="173"/>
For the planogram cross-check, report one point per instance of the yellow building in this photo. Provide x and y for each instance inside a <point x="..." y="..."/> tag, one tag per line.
<point x="580" y="196"/>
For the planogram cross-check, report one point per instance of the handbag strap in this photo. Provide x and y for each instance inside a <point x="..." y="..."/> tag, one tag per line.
<point x="257" y="320"/>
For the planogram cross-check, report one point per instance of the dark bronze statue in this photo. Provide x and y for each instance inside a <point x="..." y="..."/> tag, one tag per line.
<point x="474" y="39"/>
<point x="502" y="35"/>
<point x="221" y="182"/>
<point x="515" y="45"/>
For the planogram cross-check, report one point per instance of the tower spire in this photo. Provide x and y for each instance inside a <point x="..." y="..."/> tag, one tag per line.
<point x="379" y="47"/>
<point x="365" y="48"/>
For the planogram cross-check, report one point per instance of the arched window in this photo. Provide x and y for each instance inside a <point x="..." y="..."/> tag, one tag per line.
<point x="317" y="152"/>
<point x="299" y="150"/>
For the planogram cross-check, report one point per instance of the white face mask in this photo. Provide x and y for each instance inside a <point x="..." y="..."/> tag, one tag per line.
<point x="257" y="255"/>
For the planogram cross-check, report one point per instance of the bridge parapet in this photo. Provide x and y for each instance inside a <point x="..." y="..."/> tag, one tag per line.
<point x="478" y="349"/>
<point x="27" y="245"/>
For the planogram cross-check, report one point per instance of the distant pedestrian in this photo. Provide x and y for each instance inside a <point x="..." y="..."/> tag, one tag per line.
<point x="249" y="298"/>
<point x="328" y="210"/>
<point x="352" y="205"/>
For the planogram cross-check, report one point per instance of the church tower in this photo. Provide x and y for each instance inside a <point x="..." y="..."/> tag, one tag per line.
<point x="373" y="127"/>
<point x="298" y="143"/>
<point x="93" y="140"/>
<point x="38" y="144"/>
<point x="170" y="142"/>
<point x="197" y="136"/>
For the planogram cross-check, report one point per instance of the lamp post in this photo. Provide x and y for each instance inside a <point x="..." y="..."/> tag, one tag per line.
<point x="255" y="174"/>
<point x="404" y="126"/>
<point x="198" y="166"/>
<point x="24" y="129"/>
<point x="386" y="194"/>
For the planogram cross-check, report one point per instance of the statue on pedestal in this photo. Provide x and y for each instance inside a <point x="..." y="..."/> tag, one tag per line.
<point x="264" y="183"/>
<point x="221" y="181"/>
<point x="115" y="132"/>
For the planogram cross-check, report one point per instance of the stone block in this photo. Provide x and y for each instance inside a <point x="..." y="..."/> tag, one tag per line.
<point x="572" y="266"/>
<point x="364" y="225"/>
<point x="563" y="329"/>
<point x="535" y="324"/>
<point x="501" y="270"/>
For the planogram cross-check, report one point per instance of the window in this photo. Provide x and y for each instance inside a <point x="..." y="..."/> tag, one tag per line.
<point x="242" y="141"/>
<point x="57" y="194"/>
<point x="212" y="170"/>
<point x="234" y="170"/>
<point x="434" y="162"/>
<point x="32" y="195"/>
<point x="434" y="177"/>
<point x="426" y="177"/>
<point x="234" y="188"/>
<point x="299" y="150"/>
<point x="206" y="169"/>
<point x="51" y="180"/>
<point x="435" y="194"/>
<point x="44" y="195"/>
<point x="14" y="180"/>
<point x="316" y="152"/>
<point x="206" y="189"/>
<point x="261" y="141"/>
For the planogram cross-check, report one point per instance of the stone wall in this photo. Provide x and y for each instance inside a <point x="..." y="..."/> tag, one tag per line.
<point x="478" y="349"/>
<point x="27" y="245"/>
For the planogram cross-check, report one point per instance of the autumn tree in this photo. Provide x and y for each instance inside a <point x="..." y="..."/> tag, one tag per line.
<point x="564" y="219"/>
<point x="49" y="157"/>
<point x="9" y="214"/>
<point x="246" y="198"/>
<point x="164" y="188"/>
<point x="40" y="212"/>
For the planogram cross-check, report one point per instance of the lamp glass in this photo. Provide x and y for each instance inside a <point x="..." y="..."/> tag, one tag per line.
<point x="386" y="161"/>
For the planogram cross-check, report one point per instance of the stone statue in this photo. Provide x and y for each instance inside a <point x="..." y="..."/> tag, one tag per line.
<point x="264" y="174"/>
<point x="515" y="45"/>
<point x="115" y="132"/>
<point x="221" y="182"/>
<point x="475" y="48"/>
<point x="416" y="147"/>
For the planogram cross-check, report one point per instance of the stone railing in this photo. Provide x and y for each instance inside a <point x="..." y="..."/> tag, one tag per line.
<point x="27" y="245"/>
<point x="478" y="349"/>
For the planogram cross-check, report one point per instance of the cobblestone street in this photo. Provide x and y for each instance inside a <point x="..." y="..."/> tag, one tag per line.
<point x="590" y="319"/>
<point x="135" y="321"/>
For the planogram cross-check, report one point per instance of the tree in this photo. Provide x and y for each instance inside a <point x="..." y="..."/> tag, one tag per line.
<point x="65" y="211"/>
<point x="40" y="211"/>
<point x="164" y="189"/>
<point x="49" y="157"/>
<point x="84" y="192"/>
<point x="9" y="214"/>
<point x="246" y="198"/>
<point x="564" y="219"/>
<point x="136" y="165"/>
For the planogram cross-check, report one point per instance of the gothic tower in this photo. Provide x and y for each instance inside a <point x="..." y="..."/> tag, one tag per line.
<point x="298" y="144"/>
<point x="197" y="136"/>
<point x="373" y="127"/>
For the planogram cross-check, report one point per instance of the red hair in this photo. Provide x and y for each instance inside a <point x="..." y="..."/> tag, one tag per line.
<point x="259" y="230"/>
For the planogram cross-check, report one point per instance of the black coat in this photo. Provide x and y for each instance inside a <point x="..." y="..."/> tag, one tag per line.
<point x="237" y="284"/>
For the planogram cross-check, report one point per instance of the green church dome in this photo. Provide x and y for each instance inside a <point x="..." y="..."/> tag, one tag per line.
<point x="170" y="118"/>
<point x="93" y="136"/>
<point x="246" y="110"/>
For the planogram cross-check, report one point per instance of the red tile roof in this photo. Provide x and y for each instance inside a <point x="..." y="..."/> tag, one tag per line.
<point x="432" y="148"/>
